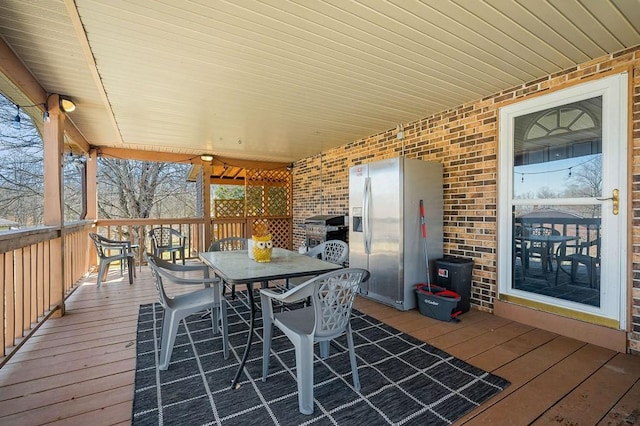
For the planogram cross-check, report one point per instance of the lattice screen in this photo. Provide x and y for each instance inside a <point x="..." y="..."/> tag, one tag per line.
<point x="228" y="208"/>
<point x="280" y="230"/>
<point x="268" y="201"/>
<point x="255" y="201"/>
<point x="268" y="192"/>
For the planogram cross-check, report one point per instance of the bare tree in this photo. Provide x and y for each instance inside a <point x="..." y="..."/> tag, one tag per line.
<point x="21" y="178"/>
<point x="546" y="192"/>
<point x="126" y="189"/>
<point x="143" y="189"/>
<point x="587" y="183"/>
<point x="587" y="179"/>
<point x="22" y="171"/>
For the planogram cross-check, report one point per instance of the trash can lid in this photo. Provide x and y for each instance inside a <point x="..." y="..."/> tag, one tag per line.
<point x="454" y="259"/>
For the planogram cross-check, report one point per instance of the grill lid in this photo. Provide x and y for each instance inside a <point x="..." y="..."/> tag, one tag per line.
<point x="325" y="219"/>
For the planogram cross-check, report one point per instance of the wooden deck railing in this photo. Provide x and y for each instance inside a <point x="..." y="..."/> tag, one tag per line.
<point x="587" y="229"/>
<point x="39" y="267"/>
<point x="136" y="231"/>
<point x="35" y="277"/>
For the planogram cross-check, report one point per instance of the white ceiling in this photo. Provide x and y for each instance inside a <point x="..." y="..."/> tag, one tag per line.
<point x="281" y="80"/>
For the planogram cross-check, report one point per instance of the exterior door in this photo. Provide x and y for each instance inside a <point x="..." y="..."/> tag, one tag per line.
<point x="562" y="191"/>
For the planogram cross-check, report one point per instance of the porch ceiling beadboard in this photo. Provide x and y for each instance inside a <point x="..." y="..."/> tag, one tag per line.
<point x="279" y="80"/>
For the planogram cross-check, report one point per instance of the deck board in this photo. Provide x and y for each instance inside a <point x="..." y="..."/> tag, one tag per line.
<point x="79" y="369"/>
<point x="503" y="354"/>
<point x="65" y="393"/>
<point x="484" y="336"/>
<point x="593" y="399"/>
<point x="626" y="411"/>
<point x="525" y="404"/>
<point x="487" y="340"/>
<point x="70" y="408"/>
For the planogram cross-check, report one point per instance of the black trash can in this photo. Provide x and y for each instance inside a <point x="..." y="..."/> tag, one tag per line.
<point x="454" y="273"/>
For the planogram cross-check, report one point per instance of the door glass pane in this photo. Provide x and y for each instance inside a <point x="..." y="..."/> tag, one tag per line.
<point x="556" y="252"/>
<point x="562" y="186"/>
<point x="556" y="247"/>
<point x="558" y="152"/>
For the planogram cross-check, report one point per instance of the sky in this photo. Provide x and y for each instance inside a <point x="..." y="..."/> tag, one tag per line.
<point x="553" y="174"/>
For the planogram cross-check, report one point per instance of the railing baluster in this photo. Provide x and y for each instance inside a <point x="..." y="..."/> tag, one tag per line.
<point x="19" y="295"/>
<point x="3" y="303"/>
<point x="46" y="275"/>
<point x="26" y="259"/>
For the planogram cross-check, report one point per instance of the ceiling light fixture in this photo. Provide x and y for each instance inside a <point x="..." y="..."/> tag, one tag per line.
<point x="207" y="158"/>
<point x="16" y="119"/>
<point x="45" y="115"/>
<point x="400" y="132"/>
<point x="66" y="104"/>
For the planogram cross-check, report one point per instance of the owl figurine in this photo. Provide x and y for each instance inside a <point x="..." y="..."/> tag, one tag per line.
<point x="262" y="247"/>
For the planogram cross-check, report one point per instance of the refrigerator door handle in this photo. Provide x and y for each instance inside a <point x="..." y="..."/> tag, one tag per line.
<point x="365" y="215"/>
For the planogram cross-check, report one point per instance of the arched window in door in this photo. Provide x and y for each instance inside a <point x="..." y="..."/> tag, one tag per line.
<point x="561" y="120"/>
<point x="550" y="144"/>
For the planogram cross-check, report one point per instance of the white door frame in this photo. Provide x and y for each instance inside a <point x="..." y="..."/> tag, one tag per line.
<point x="613" y="90"/>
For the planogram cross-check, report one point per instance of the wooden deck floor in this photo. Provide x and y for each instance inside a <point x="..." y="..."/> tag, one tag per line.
<point x="79" y="369"/>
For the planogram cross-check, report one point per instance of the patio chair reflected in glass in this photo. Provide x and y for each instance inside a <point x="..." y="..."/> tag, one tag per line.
<point x="228" y="244"/>
<point x="327" y="318"/>
<point x="587" y="254"/>
<point x="168" y="240"/>
<point x="110" y="251"/>
<point x="180" y="306"/>
<point x="519" y="246"/>
<point x="538" y="248"/>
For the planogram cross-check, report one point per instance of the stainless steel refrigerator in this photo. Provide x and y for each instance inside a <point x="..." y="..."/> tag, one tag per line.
<point x="385" y="235"/>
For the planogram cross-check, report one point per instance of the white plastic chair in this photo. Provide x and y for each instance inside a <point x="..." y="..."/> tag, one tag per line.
<point x="334" y="251"/>
<point x="178" y="307"/>
<point x="229" y="244"/>
<point x="327" y="318"/>
<point x="168" y="240"/>
<point x="104" y="248"/>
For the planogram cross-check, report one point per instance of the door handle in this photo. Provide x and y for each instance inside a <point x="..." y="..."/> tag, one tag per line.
<point x="365" y="215"/>
<point x="616" y="201"/>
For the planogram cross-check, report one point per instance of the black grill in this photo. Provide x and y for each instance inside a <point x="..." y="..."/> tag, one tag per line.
<point x="322" y="228"/>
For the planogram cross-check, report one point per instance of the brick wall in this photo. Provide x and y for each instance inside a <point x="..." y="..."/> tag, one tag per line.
<point x="464" y="140"/>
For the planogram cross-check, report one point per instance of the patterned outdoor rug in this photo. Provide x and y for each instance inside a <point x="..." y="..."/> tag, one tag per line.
<point x="404" y="381"/>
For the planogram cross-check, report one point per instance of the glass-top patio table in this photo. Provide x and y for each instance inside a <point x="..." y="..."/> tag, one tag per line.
<point x="236" y="268"/>
<point x="550" y="240"/>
